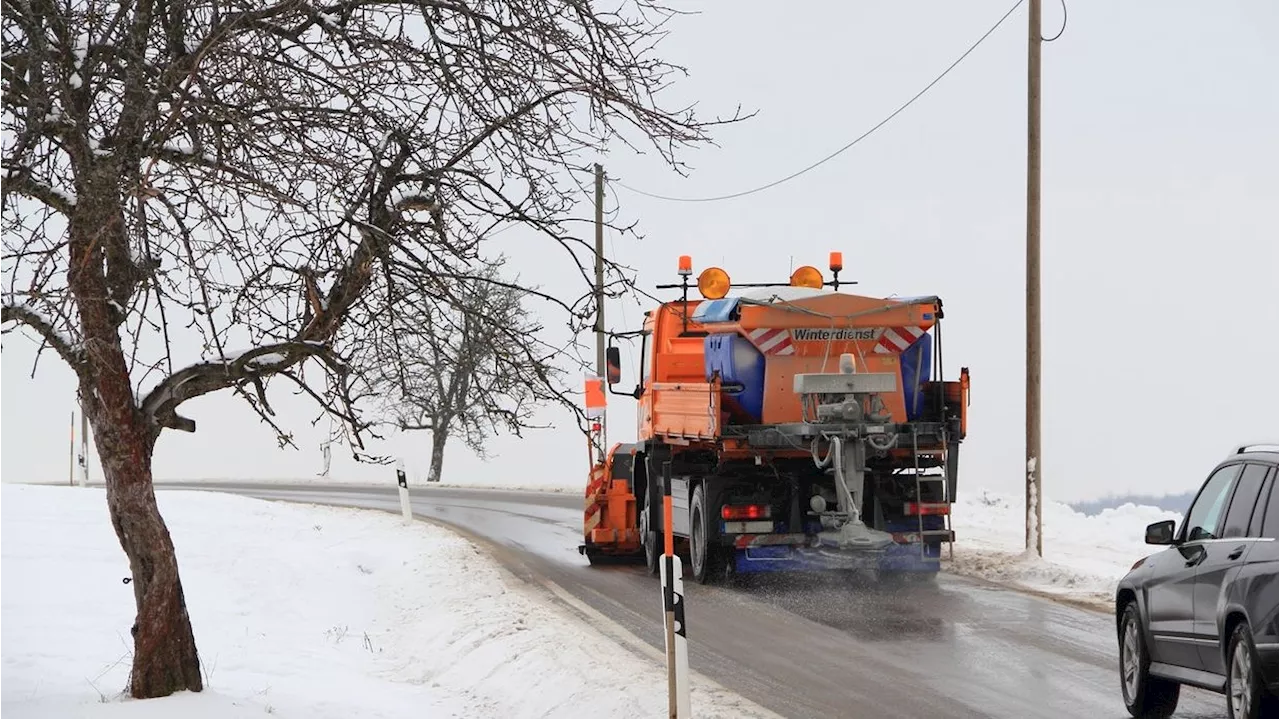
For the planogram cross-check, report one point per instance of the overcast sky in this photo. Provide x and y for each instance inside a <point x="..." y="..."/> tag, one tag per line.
<point x="1160" y="237"/>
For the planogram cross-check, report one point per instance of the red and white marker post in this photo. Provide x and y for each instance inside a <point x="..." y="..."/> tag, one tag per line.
<point x="406" y="509"/>
<point x="672" y="574"/>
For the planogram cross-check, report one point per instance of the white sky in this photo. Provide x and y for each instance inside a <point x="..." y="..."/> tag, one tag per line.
<point x="1160" y="236"/>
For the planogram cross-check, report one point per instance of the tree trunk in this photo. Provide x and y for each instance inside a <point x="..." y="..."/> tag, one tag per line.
<point x="164" y="648"/>
<point x="439" y="437"/>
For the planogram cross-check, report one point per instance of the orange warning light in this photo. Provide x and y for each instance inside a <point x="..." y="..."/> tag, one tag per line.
<point x="837" y="261"/>
<point x="686" y="265"/>
<point x="806" y="276"/>
<point x="714" y="283"/>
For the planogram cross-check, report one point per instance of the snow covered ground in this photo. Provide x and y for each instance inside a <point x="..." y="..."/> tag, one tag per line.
<point x="304" y="612"/>
<point x="1084" y="556"/>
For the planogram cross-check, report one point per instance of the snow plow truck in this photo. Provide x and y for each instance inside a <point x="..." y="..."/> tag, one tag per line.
<point x="799" y="428"/>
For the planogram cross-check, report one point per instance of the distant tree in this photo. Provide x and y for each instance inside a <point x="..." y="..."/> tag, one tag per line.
<point x="456" y="368"/>
<point x="185" y="177"/>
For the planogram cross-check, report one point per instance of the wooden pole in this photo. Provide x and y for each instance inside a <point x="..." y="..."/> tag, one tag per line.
<point x="601" y="370"/>
<point x="1035" y="464"/>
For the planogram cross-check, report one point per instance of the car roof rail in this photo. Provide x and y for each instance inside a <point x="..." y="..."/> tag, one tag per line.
<point x="1257" y="447"/>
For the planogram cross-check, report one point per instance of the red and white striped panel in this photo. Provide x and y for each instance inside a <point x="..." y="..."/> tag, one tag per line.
<point x="591" y="501"/>
<point x="897" y="339"/>
<point x="591" y="519"/>
<point x="595" y="482"/>
<point x="772" y="341"/>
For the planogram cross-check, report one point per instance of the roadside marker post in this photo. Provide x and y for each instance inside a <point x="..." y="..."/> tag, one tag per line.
<point x="403" y="481"/>
<point x="84" y="448"/>
<point x="677" y="643"/>
<point x="71" y="456"/>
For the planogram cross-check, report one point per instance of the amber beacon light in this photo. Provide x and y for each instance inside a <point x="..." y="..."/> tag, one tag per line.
<point x="713" y="283"/>
<point x="807" y="276"/>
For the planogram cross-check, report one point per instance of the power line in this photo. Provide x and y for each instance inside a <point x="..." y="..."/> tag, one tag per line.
<point x="1061" y="29"/>
<point x="855" y="141"/>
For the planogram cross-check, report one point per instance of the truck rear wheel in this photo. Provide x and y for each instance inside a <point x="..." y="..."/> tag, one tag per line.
<point x="709" y="560"/>
<point x="649" y="540"/>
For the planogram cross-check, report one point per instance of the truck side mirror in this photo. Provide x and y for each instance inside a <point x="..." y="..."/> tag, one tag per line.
<point x="613" y="365"/>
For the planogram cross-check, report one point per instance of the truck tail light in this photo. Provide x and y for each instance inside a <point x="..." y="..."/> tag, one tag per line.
<point x="925" y="508"/>
<point x="739" y="512"/>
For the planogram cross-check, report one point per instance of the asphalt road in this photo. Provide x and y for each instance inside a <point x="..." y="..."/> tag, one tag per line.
<point x="806" y="648"/>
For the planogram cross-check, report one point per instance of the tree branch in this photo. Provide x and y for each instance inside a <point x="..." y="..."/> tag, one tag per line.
<point x="25" y="315"/>
<point x="161" y="403"/>
<point x="19" y="181"/>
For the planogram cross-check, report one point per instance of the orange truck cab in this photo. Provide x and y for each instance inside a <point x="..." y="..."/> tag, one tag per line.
<point x="800" y="428"/>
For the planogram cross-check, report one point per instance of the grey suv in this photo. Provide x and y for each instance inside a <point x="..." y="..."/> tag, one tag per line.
<point x="1203" y="611"/>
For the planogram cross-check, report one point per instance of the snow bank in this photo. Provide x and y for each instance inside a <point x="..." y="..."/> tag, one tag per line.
<point x="1084" y="556"/>
<point x="303" y="612"/>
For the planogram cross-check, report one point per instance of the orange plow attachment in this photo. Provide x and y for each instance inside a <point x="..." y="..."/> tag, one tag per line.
<point x="609" y="514"/>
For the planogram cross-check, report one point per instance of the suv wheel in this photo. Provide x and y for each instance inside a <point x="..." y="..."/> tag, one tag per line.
<point x="1145" y="696"/>
<point x="1245" y="692"/>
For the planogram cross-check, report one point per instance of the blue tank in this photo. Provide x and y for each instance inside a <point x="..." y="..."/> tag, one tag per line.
<point x="741" y="368"/>
<point x="917" y="355"/>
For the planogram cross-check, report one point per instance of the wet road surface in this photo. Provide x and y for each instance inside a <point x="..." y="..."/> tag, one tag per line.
<point x="812" y="647"/>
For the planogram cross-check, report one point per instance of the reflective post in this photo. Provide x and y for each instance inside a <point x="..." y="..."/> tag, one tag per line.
<point x="405" y="509"/>
<point x="677" y="645"/>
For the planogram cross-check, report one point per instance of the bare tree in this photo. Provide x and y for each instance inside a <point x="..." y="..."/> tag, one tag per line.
<point x="457" y="369"/>
<point x="185" y="177"/>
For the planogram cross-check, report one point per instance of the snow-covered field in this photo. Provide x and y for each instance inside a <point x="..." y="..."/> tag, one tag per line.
<point x="1084" y="556"/>
<point x="305" y="612"/>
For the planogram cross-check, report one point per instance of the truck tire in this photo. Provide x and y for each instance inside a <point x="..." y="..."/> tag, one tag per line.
<point x="708" y="560"/>
<point x="649" y="540"/>
<point x="650" y="537"/>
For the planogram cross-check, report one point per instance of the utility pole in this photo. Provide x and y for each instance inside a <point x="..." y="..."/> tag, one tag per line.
<point x="1035" y="467"/>
<point x="601" y="370"/>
